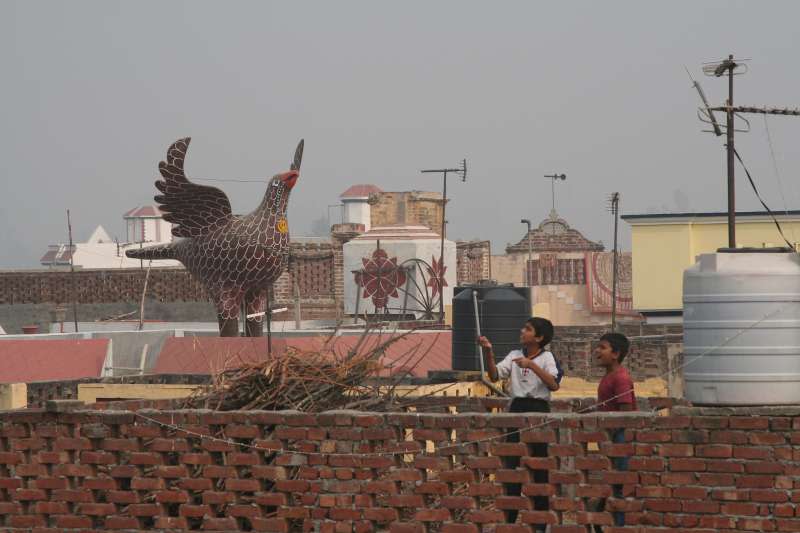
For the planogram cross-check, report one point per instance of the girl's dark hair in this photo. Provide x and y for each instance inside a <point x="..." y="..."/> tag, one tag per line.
<point x="543" y="328"/>
<point x="619" y="343"/>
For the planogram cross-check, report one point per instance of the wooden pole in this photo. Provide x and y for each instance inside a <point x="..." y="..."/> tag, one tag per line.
<point x="72" y="273"/>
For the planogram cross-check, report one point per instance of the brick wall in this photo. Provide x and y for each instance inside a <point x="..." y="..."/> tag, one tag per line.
<point x="650" y="357"/>
<point x="473" y="259"/>
<point x="412" y="208"/>
<point x="313" y="268"/>
<point x="690" y="469"/>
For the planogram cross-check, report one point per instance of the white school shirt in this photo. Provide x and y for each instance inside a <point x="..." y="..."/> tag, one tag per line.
<point x="524" y="381"/>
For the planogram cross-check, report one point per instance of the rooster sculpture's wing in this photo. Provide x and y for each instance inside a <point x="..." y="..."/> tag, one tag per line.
<point x="194" y="209"/>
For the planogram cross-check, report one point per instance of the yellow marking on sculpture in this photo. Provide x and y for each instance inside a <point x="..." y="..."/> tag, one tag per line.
<point x="282" y="226"/>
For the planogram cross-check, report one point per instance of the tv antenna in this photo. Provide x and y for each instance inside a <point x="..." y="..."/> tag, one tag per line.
<point x="553" y="178"/>
<point x="614" y="208"/>
<point x="460" y="171"/>
<point x="731" y="67"/>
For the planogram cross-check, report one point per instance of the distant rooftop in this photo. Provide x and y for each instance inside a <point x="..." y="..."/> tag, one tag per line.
<point x="143" y="211"/>
<point x="362" y="190"/>
<point x="679" y="217"/>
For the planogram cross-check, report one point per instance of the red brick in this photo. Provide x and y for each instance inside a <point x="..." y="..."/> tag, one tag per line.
<point x="248" y="485"/>
<point x="763" y="467"/>
<point x="122" y="496"/>
<point x="483" y="463"/>
<point x="663" y="506"/>
<point x="121" y="522"/>
<point x="406" y="500"/>
<point x="432" y="487"/>
<point x="381" y="514"/>
<point x="51" y="508"/>
<point x="406" y="527"/>
<point x="220" y="524"/>
<point x="459" y="528"/>
<point x="690" y="493"/>
<point x="145" y="483"/>
<point x="275" y="525"/>
<point x="338" y="513"/>
<point x="755" y="482"/>
<point x="403" y="474"/>
<point x="484" y="489"/>
<point x="768" y="495"/>
<point x="701" y="507"/>
<point x="740" y="509"/>
<point x="73" y="522"/>
<point x="171" y="522"/>
<point x="676" y="450"/>
<point x="677" y="464"/>
<point x="26" y="521"/>
<point x="29" y="495"/>
<point x="766" y="439"/>
<point x="246" y="511"/>
<point x="96" y="509"/>
<point x="195" y="510"/>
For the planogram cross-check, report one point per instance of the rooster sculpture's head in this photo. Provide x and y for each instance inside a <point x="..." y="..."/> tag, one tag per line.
<point x="276" y="198"/>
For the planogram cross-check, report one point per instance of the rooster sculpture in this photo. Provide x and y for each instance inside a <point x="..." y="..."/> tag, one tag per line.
<point x="237" y="258"/>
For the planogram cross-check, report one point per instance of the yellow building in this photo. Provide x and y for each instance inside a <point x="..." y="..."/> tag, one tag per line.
<point x="664" y="245"/>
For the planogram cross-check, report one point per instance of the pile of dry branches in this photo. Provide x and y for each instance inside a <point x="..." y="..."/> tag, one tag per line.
<point x="329" y="378"/>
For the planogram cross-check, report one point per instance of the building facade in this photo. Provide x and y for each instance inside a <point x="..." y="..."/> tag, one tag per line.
<point x="571" y="277"/>
<point x="144" y="226"/>
<point x="664" y="245"/>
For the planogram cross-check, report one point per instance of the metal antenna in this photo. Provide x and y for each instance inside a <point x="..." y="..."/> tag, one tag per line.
<point x="554" y="177"/>
<point x="732" y="67"/>
<point x="462" y="171"/>
<point x="704" y="113"/>
<point x="614" y="208"/>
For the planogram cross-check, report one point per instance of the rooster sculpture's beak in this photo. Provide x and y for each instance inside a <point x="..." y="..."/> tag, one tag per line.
<point x="289" y="178"/>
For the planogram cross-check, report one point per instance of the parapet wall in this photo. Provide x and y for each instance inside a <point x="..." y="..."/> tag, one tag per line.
<point x="690" y="469"/>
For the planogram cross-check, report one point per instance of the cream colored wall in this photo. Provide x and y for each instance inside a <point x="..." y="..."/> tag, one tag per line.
<point x="660" y="254"/>
<point x="509" y="268"/>
<point x="13" y="396"/>
<point x="90" y="392"/>
<point x="662" y="251"/>
<point x="565" y="305"/>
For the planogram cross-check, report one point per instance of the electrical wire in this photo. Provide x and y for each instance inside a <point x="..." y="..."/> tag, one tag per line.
<point x="755" y="190"/>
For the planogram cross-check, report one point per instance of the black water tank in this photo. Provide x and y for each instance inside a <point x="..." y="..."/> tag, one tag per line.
<point x="502" y="309"/>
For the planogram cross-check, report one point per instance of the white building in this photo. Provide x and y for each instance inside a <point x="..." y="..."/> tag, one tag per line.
<point x="144" y="227"/>
<point x="395" y="270"/>
<point x="355" y="204"/>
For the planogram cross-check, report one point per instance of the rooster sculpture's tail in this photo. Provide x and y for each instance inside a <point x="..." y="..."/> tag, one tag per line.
<point x="161" y="251"/>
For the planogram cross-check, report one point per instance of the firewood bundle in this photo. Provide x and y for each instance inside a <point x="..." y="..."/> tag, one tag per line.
<point x="311" y="381"/>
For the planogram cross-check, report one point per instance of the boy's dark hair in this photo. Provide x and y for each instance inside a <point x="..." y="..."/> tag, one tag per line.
<point x="543" y="328"/>
<point x="619" y="343"/>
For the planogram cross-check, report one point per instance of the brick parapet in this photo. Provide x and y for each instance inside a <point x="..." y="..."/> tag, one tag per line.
<point x="690" y="469"/>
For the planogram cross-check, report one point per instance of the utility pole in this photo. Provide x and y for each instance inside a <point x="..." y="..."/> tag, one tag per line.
<point x="72" y="273"/>
<point x="615" y="212"/>
<point x="731" y="67"/>
<point x="530" y="249"/>
<point x="444" y="171"/>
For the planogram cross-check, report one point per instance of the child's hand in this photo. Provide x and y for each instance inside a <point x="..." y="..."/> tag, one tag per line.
<point x="484" y="343"/>
<point x="522" y="362"/>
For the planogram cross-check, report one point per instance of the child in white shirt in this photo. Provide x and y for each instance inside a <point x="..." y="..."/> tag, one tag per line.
<point x="533" y="375"/>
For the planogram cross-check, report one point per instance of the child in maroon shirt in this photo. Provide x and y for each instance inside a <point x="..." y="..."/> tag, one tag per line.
<point x="615" y="393"/>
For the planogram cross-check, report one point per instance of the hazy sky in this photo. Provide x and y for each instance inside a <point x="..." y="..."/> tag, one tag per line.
<point x="94" y="92"/>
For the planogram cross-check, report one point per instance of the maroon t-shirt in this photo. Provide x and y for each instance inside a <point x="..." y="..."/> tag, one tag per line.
<point x="617" y="385"/>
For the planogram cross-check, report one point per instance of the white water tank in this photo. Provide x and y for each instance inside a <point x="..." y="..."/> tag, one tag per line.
<point x="741" y="320"/>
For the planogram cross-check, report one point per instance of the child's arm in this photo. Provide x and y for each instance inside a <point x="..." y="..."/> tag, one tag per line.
<point x="488" y="357"/>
